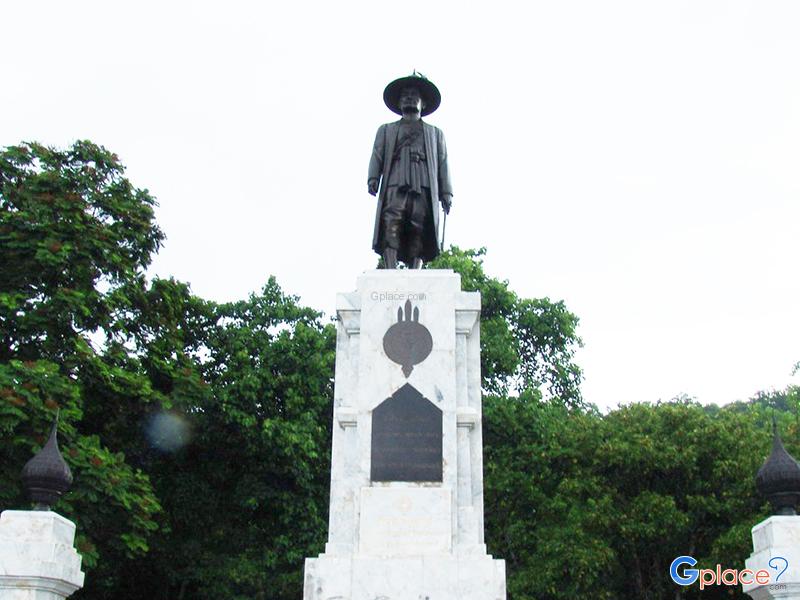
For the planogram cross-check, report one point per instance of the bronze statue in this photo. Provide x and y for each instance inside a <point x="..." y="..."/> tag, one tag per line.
<point x="409" y="166"/>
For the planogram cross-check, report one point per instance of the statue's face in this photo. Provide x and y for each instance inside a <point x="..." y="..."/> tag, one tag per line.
<point x="410" y="100"/>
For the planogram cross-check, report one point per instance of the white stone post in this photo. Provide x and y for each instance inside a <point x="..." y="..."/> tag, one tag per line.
<point x="776" y="550"/>
<point x="37" y="560"/>
<point x="774" y="565"/>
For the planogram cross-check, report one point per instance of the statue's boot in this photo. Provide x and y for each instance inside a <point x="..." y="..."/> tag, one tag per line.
<point x="415" y="249"/>
<point x="389" y="258"/>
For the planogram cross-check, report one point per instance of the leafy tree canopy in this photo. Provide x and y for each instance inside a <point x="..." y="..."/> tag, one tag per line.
<point x="526" y="343"/>
<point x="584" y="504"/>
<point x="76" y="237"/>
<point x="199" y="433"/>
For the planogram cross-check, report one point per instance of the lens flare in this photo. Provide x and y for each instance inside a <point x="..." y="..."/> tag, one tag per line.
<point x="168" y="431"/>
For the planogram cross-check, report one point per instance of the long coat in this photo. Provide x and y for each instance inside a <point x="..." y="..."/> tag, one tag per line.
<point x="380" y="165"/>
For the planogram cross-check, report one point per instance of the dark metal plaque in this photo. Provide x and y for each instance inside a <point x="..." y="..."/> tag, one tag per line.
<point x="406" y="438"/>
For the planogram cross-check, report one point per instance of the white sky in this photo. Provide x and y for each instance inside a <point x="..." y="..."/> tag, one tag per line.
<point x="637" y="159"/>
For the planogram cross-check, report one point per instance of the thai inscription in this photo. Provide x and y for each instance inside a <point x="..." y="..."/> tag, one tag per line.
<point x="406" y="438"/>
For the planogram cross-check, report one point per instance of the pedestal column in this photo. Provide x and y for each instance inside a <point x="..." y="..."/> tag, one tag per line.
<point x="37" y="560"/>
<point x="776" y="550"/>
<point x="406" y="510"/>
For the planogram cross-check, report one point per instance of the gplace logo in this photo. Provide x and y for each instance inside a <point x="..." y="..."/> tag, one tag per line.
<point x="719" y="576"/>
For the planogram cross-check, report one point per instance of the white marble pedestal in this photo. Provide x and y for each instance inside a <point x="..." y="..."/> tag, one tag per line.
<point x="776" y="537"/>
<point x="407" y="540"/>
<point x="37" y="560"/>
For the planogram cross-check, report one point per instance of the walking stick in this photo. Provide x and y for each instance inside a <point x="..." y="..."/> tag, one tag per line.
<point x="444" y="226"/>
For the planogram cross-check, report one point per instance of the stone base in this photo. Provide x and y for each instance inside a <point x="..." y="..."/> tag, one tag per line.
<point x="37" y="560"/>
<point x="776" y="536"/>
<point x="406" y="509"/>
<point x="443" y="577"/>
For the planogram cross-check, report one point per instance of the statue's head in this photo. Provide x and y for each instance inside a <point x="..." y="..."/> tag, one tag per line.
<point x="410" y="100"/>
<point x="408" y="93"/>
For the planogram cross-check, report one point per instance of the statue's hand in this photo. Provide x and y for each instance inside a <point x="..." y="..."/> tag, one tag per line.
<point x="372" y="186"/>
<point x="447" y="203"/>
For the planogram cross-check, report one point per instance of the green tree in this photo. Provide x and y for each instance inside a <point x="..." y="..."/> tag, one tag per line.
<point x="76" y="237"/>
<point x="526" y="344"/>
<point x="584" y="504"/>
<point x="247" y="498"/>
<point x="75" y="233"/>
<point x="199" y="433"/>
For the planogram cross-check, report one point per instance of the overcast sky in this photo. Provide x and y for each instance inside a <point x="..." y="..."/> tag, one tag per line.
<point x="637" y="159"/>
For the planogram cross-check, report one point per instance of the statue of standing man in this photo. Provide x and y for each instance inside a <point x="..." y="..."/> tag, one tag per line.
<point x="409" y="167"/>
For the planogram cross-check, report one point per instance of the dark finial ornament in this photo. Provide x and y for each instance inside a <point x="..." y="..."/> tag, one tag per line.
<point x="46" y="476"/>
<point x="408" y="342"/>
<point x="779" y="478"/>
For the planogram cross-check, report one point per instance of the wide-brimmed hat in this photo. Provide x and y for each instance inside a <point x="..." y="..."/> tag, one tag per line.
<point x="431" y="97"/>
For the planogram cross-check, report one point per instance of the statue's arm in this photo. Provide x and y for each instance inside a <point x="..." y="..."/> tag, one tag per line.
<point x="376" y="161"/>
<point x="445" y="185"/>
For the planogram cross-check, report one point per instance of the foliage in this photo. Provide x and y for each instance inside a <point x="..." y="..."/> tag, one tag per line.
<point x="526" y="344"/>
<point x="199" y="433"/>
<point x="75" y="237"/>
<point x="247" y="498"/>
<point x="583" y="504"/>
<point x="72" y="225"/>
